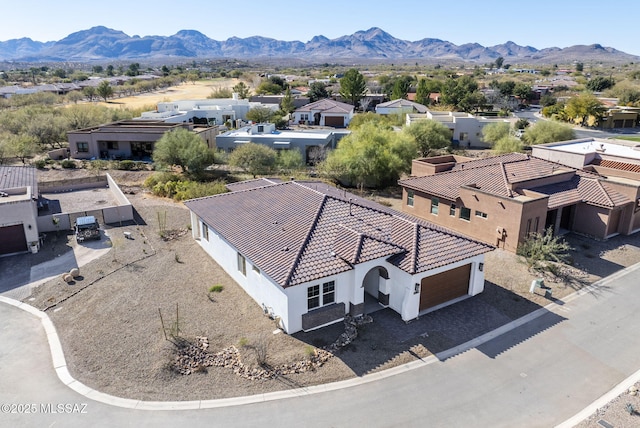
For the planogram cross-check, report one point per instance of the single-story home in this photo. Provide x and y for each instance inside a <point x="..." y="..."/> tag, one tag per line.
<point x="212" y="111"/>
<point x="466" y="129"/>
<point x="400" y="106"/>
<point x="324" y="112"/>
<point x="311" y="143"/>
<point x="503" y="199"/>
<point x="128" y="139"/>
<point x="309" y="254"/>
<point x="18" y="209"/>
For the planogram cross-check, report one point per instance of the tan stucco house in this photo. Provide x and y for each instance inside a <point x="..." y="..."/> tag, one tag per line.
<point x="501" y="200"/>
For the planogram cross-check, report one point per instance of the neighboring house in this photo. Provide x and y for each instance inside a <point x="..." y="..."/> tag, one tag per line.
<point x="298" y="101"/>
<point x="466" y="129"/>
<point x="310" y="254"/>
<point x="324" y="112"/>
<point x="18" y="209"/>
<point x="503" y="199"/>
<point x="213" y="111"/>
<point x="620" y="117"/>
<point x="400" y="106"/>
<point x="128" y="139"/>
<point x="310" y="143"/>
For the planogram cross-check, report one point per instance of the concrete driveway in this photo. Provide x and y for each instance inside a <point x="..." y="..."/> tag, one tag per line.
<point x="536" y="372"/>
<point x="20" y="273"/>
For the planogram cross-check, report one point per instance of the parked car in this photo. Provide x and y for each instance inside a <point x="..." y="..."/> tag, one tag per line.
<point x="87" y="228"/>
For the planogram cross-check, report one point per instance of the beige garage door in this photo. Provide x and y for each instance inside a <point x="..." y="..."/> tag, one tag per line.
<point x="336" y="121"/>
<point x="445" y="286"/>
<point x="12" y="239"/>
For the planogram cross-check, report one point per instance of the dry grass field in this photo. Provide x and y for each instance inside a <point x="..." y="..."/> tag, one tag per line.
<point x="186" y="91"/>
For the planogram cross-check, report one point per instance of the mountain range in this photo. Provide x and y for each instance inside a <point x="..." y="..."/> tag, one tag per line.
<point x="105" y="44"/>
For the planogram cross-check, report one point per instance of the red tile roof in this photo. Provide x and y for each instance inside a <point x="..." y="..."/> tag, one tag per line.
<point x="326" y="105"/>
<point x="295" y="233"/>
<point x="623" y="166"/>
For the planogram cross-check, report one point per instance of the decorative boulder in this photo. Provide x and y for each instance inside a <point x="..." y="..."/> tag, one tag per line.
<point x="75" y="272"/>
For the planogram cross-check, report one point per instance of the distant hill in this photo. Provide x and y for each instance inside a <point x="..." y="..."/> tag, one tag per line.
<point x="104" y="44"/>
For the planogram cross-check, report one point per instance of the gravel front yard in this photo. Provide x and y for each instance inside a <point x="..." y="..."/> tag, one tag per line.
<point x="109" y="320"/>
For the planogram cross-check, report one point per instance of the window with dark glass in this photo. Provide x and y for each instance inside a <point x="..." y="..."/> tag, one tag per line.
<point x="410" y="196"/>
<point x="328" y="292"/>
<point x="465" y="213"/>
<point x="435" y="202"/>
<point x="313" y="297"/>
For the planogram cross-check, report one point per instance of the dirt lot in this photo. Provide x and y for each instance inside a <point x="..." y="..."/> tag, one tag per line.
<point x="123" y="300"/>
<point x="186" y="91"/>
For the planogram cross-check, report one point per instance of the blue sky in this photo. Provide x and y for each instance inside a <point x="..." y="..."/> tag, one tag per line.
<point x="540" y="23"/>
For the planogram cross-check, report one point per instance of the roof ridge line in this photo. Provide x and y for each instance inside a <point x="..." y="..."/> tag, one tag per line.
<point x="505" y="179"/>
<point x="606" y="194"/>
<point x="306" y="240"/>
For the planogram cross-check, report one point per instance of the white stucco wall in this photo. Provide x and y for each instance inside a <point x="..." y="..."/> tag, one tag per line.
<point x="21" y="209"/>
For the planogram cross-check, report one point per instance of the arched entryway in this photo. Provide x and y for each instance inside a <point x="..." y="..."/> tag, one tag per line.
<point x="375" y="287"/>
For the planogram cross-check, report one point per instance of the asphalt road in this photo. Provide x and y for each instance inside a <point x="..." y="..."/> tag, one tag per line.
<point x="537" y="375"/>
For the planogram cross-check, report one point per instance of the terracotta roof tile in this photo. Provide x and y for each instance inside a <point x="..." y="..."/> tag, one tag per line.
<point x="251" y="184"/>
<point x="296" y="234"/>
<point x="582" y="188"/>
<point x="623" y="166"/>
<point x="18" y="176"/>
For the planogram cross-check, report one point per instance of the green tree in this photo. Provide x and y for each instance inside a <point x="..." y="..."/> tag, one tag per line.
<point x="599" y="83"/>
<point x="48" y="129"/>
<point x="252" y="158"/>
<point x="371" y="156"/>
<point x="545" y="131"/>
<point x="508" y="144"/>
<point x="522" y="91"/>
<point x="104" y="90"/>
<point x="134" y="69"/>
<point x="429" y="136"/>
<point x="5" y="146"/>
<point x="110" y="71"/>
<point x="548" y="100"/>
<point x="289" y="161"/>
<point x="317" y="91"/>
<point x="381" y="120"/>
<point x="75" y="96"/>
<point x="353" y="86"/>
<point x="260" y="114"/>
<point x="494" y="132"/>
<point x="499" y="61"/>
<point x="23" y="146"/>
<point x="454" y="91"/>
<point x="401" y="87"/>
<point x="97" y="69"/>
<point x="585" y="109"/>
<point x="286" y="104"/>
<point x="185" y="149"/>
<point x="89" y="92"/>
<point x="242" y="90"/>
<point x="579" y="67"/>
<point x="422" y="93"/>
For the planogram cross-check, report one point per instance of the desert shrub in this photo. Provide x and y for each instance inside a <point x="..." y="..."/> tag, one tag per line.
<point x="541" y="248"/>
<point x="40" y="163"/>
<point x="216" y="288"/>
<point x="68" y="164"/>
<point x="126" y="165"/>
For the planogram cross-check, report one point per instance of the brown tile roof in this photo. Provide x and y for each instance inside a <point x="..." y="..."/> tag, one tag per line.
<point x="497" y="175"/>
<point x="582" y="188"/>
<point x="18" y="176"/>
<point x="623" y="166"/>
<point x="251" y="184"/>
<point x="326" y="105"/>
<point x="295" y="233"/>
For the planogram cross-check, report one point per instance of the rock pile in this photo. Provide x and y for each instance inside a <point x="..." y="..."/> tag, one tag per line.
<point x="194" y="357"/>
<point x="351" y="325"/>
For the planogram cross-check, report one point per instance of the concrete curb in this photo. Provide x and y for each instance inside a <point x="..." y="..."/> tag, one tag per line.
<point x="60" y="366"/>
